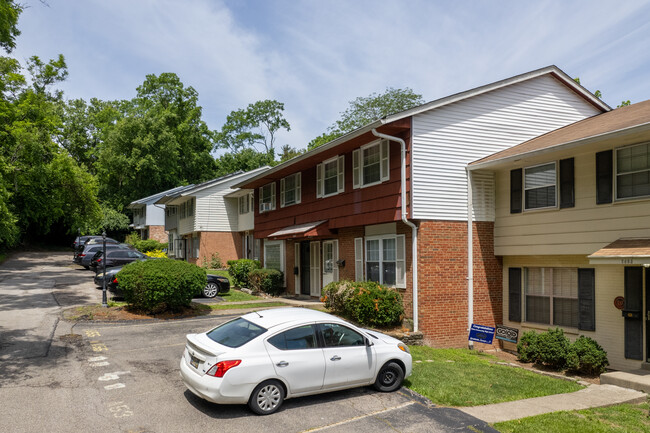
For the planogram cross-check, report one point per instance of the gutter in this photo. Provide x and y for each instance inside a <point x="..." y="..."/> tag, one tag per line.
<point x="414" y="228"/>
<point x="470" y="254"/>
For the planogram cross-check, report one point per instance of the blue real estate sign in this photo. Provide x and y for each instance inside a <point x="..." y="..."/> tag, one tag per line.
<point x="481" y="334"/>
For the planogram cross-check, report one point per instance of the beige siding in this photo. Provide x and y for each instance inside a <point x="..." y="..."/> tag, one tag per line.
<point x="446" y="139"/>
<point x="582" y="229"/>
<point x="609" y="321"/>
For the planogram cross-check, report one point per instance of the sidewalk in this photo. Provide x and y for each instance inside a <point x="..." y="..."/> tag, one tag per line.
<point x="592" y="396"/>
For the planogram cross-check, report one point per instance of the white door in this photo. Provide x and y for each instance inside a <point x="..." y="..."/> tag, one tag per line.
<point x="314" y="268"/>
<point x="330" y="257"/>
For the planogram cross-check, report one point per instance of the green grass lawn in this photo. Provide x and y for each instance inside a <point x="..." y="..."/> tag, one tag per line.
<point x="220" y="272"/>
<point x="222" y="306"/>
<point x="460" y="377"/>
<point x="235" y="295"/>
<point x="621" y="418"/>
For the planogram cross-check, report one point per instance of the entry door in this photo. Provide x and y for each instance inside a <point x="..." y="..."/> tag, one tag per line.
<point x="633" y="313"/>
<point x="330" y="257"/>
<point x="647" y="314"/>
<point x="314" y="268"/>
<point x="304" y="268"/>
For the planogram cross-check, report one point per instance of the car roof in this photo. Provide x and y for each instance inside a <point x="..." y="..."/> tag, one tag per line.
<point x="279" y="316"/>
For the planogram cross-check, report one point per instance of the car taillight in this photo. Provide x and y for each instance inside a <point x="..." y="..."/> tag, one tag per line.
<point x="220" y="368"/>
<point x="99" y="260"/>
<point x="81" y="255"/>
<point x="115" y="280"/>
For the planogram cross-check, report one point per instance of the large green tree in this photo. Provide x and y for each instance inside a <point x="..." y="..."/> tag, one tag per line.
<point x="159" y="143"/>
<point x="9" y="13"/>
<point x="366" y="109"/>
<point x="41" y="187"/>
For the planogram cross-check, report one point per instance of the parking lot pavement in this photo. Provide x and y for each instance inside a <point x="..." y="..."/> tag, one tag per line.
<point x="135" y="369"/>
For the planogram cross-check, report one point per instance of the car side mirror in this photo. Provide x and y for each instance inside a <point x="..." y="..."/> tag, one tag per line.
<point x="369" y="343"/>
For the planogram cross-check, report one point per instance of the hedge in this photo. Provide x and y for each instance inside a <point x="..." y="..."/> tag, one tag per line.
<point x="239" y="270"/>
<point x="161" y="284"/>
<point x="269" y="281"/>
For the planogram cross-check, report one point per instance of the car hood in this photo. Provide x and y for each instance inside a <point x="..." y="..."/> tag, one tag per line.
<point x="381" y="337"/>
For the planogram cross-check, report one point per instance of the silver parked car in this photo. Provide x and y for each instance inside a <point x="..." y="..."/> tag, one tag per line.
<point x="265" y="357"/>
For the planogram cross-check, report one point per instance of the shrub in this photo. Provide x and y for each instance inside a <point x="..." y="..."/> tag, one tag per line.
<point x="553" y="348"/>
<point x="160" y="254"/>
<point x="587" y="356"/>
<point x="367" y="303"/>
<point x="527" y="347"/>
<point x="148" y="245"/>
<point x="159" y="285"/>
<point x="239" y="270"/>
<point x="266" y="280"/>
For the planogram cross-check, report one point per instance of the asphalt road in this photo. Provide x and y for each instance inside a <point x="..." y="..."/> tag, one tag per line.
<point x="107" y="377"/>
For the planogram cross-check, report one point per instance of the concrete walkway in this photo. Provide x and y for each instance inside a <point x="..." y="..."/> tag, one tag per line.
<point x="592" y="396"/>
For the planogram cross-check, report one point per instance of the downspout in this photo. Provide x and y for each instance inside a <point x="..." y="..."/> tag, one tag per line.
<point x="414" y="228"/>
<point x="470" y="255"/>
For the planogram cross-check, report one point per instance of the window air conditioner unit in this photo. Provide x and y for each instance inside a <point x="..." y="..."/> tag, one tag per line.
<point x="265" y="207"/>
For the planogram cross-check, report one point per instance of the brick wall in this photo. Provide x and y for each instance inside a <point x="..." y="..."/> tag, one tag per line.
<point x="227" y="244"/>
<point x="442" y="282"/>
<point x="158" y="233"/>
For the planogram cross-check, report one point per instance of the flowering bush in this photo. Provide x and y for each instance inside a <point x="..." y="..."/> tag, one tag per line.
<point x="157" y="254"/>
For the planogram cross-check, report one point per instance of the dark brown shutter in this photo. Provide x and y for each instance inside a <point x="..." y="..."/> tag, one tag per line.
<point x="567" y="189"/>
<point x="514" y="294"/>
<point x="604" y="176"/>
<point x="516" y="188"/>
<point x="586" y="299"/>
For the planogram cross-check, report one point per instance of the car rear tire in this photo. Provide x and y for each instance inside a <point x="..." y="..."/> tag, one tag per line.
<point x="390" y="377"/>
<point x="267" y="397"/>
<point x="210" y="290"/>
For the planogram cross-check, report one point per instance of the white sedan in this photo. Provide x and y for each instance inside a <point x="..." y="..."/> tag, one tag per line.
<point x="265" y="357"/>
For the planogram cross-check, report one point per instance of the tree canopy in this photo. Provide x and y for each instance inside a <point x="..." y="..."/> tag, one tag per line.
<point x="9" y="13"/>
<point x="366" y="109"/>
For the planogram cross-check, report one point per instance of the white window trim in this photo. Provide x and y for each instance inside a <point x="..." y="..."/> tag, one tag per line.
<point x="556" y="184"/>
<point x="298" y="190"/>
<point x="616" y="174"/>
<point x="340" y="176"/>
<point x="357" y="168"/>
<point x="283" y="257"/>
<point x="243" y="202"/>
<point x="272" y="202"/>
<point x="400" y="279"/>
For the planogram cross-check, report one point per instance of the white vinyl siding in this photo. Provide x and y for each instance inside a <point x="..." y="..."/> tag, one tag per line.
<point x="446" y="139"/>
<point x="330" y="177"/>
<point x="290" y="190"/>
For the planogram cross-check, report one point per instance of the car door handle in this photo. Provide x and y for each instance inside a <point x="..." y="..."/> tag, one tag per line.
<point x="335" y="358"/>
<point x="282" y="364"/>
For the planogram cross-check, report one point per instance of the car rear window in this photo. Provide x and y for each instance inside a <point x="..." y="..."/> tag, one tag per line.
<point x="235" y="333"/>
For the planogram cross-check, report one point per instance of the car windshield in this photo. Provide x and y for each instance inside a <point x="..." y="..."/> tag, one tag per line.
<point x="235" y="333"/>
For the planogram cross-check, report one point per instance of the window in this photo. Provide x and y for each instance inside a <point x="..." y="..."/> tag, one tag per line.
<point x="196" y="247"/>
<point x="235" y="333"/>
<point x="267" y="197"/>
<point x="370" y="164"/>
<point x="274" y="255"/>
<point x="290" y="190"/>
<point x="302" y="337"/>
<point x="183" y="211"/>
<point x="551" y="296"/>
<point x="540" y="186"/>
<point x="633" y="171"/>
<point x="385" y="261"/>
<point x="190" y="207"/>
<point x="244" y="204"/>
<point x="335" y="335"/>
<point x="330" y="177"/>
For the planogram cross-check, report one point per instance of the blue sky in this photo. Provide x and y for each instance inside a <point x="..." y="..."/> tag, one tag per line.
<point x="315" y="56"/>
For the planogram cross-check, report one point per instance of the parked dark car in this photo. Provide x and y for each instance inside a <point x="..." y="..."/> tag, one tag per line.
<point x="216" y="283"/>
<point x="85" y="258"/>
<point x="117" y="257"/>
<point x="89" y="241"/>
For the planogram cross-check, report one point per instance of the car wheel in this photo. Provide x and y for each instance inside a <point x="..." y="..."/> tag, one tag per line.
<point x="266" y="398"/>
<point x="390" y="377"/>
<point x="87" y="267"/>
<point x="210" y="290"/>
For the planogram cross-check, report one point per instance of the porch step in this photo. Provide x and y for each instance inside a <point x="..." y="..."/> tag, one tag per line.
<point x="636" y="379"/>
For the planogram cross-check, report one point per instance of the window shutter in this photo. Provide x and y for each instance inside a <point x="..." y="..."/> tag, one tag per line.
<point x="319" y="180"/>
<point x="282" y="192"/>
<point x="400" y="262"/>
<point x="358" y="259"/>
<point x="298" y="187"/>
<point x="604" y="177"/>
<point x="516" y="186"/>
<point x="273" y="196"/>
<point x="260" y="194"/>
<point x="341" y="173"/>
<point x="514" y="294"/>
<point x="586" y="299"/>
<point x="356" y="168"/>
<point x="567" y="188"/>
<point x="335" y="258"/>
<point x="385" y="160"/>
